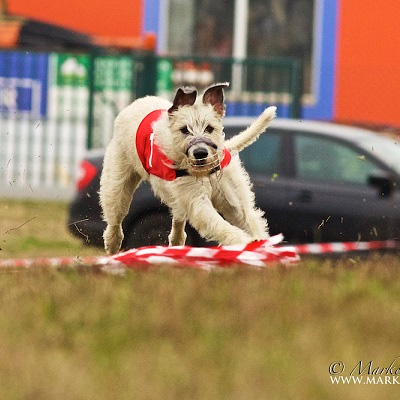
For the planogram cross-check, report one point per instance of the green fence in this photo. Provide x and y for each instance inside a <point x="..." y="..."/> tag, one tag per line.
<point x="53" y="106"/>
<point x="255" y="84"/>
<point x="253" y="81"/>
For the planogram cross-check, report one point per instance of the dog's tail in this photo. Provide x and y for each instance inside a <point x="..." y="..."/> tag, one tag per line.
<point x="251" y="134"/>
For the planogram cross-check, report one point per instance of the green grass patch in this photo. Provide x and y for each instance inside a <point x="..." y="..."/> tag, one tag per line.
<point x="30" y="244"/>
<point x="183" y="334"/>
<point x="167" y="333"/>
<point x="38" y="229"/>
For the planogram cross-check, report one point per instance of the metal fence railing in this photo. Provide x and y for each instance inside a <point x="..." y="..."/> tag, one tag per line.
<point x="255" y="83"/>
<point x="54" y="106"/>
<point x="43" y="122"/>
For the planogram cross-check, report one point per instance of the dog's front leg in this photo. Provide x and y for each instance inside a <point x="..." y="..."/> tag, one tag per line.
<point x="177" y="237"/>
<point x="209" y="223"/>
<point x="117" y="184"/>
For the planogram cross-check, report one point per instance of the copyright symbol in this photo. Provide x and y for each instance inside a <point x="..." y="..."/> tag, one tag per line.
<point x="336" y="368"/>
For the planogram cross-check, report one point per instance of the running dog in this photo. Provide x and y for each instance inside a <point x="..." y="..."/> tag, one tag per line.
<point x="180" y="149"/>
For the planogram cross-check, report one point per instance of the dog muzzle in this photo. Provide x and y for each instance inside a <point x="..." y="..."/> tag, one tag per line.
<point x="203" y="166"/>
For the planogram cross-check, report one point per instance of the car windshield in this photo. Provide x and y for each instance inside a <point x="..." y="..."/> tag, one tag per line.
<point x="386" y="149"/>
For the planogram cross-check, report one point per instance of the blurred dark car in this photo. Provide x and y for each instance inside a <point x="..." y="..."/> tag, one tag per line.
<point x="316" y="182"/>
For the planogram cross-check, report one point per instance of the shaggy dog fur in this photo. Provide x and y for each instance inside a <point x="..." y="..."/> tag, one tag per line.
<point x="190" y="133"/>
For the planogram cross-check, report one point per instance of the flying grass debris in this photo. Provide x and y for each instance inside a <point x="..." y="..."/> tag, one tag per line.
<point x="14" y="229"/>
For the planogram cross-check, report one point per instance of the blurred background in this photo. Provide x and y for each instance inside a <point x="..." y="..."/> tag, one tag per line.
<point x="67" y="68"/>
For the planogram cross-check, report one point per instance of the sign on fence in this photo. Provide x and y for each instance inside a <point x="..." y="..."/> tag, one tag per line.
<point x="44" y="109"/>
<point x="20" y="96"/>
<point x="72" y="70"/>
<point x="113" y="88"/>
<point x="113" y="73"/>
<point x="23" y="84"/>
<point x="43" y="122"/>
<point x="53" y="105"/>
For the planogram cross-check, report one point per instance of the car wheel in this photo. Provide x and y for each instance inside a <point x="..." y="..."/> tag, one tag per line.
<point x="152" y="230"/>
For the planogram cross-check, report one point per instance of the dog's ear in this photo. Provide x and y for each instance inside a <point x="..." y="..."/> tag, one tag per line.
<point x="185" y="96"/>
<point x="214" y="95"/>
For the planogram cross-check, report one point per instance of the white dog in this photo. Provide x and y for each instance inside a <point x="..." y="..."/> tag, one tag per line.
<point x="180" y="149"/>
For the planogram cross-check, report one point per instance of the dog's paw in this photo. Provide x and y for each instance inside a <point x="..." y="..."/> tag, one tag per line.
<point x="113" y="236"/>
<point x="236" y="236"/>
<point x="177" y="239"/>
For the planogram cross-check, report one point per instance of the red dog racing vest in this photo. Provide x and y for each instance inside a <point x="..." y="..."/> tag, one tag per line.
<point x="154" y="161"/>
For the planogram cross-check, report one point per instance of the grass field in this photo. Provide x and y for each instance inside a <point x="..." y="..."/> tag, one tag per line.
<point x="29" y="229"/>
<point x="184" y="334"/>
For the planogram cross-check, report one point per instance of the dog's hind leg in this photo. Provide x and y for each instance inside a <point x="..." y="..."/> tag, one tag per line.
<point x="117" y="185"/>
<point x="177" y="237"/>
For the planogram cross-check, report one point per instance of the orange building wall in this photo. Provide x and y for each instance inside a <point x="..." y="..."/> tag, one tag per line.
<point x="368" y="61"/>
<point x="114" y="18"/>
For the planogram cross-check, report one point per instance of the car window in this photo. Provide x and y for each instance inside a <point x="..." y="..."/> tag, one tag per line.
<point x="385" y="148"/>
<point x="322" y="159"/>
<point x="262" y="157"/>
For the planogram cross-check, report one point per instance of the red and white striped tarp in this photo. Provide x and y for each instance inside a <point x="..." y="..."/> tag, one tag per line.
<point x="346" y="247"/>
<point x="260" y="254"/>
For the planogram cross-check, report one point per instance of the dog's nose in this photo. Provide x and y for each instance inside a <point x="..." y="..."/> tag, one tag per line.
<point x="200" y="153"/>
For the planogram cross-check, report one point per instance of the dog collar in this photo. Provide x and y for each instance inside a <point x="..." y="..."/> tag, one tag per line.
<point x="153" y="160"/>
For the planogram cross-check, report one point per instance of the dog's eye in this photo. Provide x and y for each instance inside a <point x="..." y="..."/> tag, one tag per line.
<point x="185" y="130"/>
<point x="209" y="129"/>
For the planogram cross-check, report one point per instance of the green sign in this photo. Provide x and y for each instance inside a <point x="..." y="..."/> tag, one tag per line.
<point x="113" y="73"/>
<point x="72" y="70"/>
<point x="164" y="74"/>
